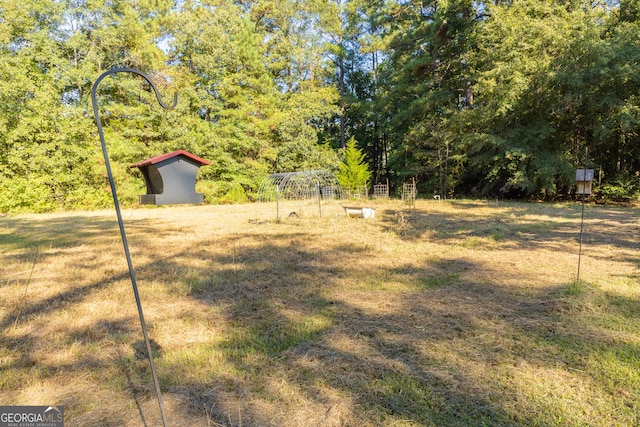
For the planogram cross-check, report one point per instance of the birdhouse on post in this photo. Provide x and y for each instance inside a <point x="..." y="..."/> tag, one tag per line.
<point x="171" y="178"/>
<point x="584" y="178"/>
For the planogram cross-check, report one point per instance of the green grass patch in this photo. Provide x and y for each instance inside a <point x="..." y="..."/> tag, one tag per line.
<point x="270" y="338"/>
<point x="440" y="280"/>
<point x="577" y="288"/>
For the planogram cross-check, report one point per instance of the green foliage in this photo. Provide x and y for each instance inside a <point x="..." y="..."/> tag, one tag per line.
<point x="251" y="89"/>
<point x="486" y="99"/>
<point x="500" y="98"/>
<point x="624" y="189"/>
<point x="354" y="172"/>
<point x="24" y="195"/>
<point x="235" y="194"/>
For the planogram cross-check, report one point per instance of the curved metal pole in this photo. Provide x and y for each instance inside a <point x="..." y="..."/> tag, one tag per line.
<point x="119" y="214"/>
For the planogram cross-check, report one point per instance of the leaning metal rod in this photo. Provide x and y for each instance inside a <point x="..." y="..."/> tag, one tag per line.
<point x="584" y="190"/>
<point x="119" y="214"/>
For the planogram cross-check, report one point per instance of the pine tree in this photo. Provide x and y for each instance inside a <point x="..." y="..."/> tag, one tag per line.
<point x="354" y="171"/>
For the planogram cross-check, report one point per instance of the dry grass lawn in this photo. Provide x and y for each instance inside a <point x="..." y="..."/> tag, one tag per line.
<point x="461" y="313"/>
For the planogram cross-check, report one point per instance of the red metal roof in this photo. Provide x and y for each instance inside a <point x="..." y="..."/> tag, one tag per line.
<point x="163" y="157"/>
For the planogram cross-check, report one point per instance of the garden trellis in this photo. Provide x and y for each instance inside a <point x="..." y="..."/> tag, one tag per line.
<point x="381" y="191"/>
<point x="409" y="192"/>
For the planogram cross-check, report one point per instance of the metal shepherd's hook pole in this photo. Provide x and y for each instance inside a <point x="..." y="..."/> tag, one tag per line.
<point x="119" y="214"/>
<point x="584" y="180"/>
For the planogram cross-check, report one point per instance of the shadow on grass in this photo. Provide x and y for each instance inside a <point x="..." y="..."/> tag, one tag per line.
<point x="517" y="224"/>
<point x="443" y="351"/>
<point x="394" y="379"/>
<point x="18" y="233"/>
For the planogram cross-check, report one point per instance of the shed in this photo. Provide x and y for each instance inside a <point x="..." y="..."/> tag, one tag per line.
<point x="171" y="178"/>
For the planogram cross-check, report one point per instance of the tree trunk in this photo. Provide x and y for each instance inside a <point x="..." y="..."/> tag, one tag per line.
<point x="343" y="143"/>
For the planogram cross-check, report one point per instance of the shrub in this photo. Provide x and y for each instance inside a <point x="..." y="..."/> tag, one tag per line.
<point x="25" y="195"/>
<point x="236" y="194"/>
<point x="624" y="189"/>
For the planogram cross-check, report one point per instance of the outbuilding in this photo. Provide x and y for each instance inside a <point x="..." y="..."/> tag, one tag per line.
<point x="171" y="178"/>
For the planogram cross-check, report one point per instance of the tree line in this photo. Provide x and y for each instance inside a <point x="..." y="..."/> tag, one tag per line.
<point x="470" y="98"/>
